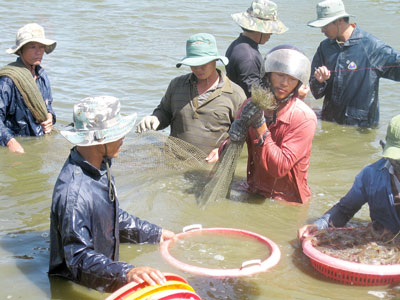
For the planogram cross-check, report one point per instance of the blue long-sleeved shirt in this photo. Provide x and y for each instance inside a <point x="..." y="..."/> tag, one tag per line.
<point x="373" y="186"/>
<point x="87" y="227"/>
<point x="351" y="93"/>
<point x="15" y="117"/>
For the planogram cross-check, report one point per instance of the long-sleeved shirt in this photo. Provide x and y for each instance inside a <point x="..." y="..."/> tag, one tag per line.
<point x="245" y="62"/>
<point x="278" y="168"/>
<point x="15" y="117"/>
<point x="205" y="123"/>
<point x="351" y="93"/>
<point x="373" y="186"/>
<point x="87" y="227"/>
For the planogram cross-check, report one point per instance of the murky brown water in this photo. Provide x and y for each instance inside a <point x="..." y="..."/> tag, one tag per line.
<point x="129" y="49"/>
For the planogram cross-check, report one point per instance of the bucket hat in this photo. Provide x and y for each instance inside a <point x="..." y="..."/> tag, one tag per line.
<point x="262" y="16"/>
<point x="201" y="48"/>
<point x="329" y="11"/>
<point x="392" y="146"/>
<point x="32" y="32"/>
<point x="97" y="120"/>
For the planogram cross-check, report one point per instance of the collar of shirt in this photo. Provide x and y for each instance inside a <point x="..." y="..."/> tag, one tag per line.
<point x="86" y="166"/>
<point x="389" y="166"/>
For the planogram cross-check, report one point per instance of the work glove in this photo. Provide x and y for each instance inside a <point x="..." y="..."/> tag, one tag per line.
<point x="252" y="115"/>
<point x="147" y="122"/>
<point x="238" y="131"/>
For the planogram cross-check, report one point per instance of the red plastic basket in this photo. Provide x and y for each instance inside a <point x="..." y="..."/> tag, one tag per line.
<point x="350" y="272"/>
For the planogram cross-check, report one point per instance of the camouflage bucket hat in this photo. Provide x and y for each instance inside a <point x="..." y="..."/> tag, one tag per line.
<point x="262" y="16"/>
<point x="329" y="11"/>
<point x="97" y="120"/>
<point x="201" y="48"/>
<point x="392" y="146"/>
<point x="32" y="32"/>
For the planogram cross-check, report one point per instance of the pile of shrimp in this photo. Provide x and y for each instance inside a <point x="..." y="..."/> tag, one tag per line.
<point x="360" y="244"/>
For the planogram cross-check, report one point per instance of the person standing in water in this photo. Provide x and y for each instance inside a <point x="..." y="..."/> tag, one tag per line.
<point x="200" y="106"/>
<point x="347" y="67"/>
<point x="279" y="139"/>
<point x="25" y="92"/>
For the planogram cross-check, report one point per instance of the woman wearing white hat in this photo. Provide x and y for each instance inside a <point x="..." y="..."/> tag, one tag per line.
<point x="25" y="92"/>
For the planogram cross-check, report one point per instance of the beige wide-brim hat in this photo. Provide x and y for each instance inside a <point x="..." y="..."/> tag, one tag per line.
<point x="32" y="32"/>
<point x="262" y="16"/>
<point x="327" y="12"/>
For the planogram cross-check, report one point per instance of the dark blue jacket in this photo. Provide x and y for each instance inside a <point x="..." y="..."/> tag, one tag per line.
<point x="15" y="117"/>
<point x="351" y="93"/>
<point x="373" y="186"/>
<point x="86" y="228"/>
<point x="245" y="62"/>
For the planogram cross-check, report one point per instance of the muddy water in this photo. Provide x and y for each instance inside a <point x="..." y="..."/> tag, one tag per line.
<point x="129" y="49"/>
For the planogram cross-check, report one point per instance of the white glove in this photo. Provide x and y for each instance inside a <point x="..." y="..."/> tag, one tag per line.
<point x="148" y="122"/>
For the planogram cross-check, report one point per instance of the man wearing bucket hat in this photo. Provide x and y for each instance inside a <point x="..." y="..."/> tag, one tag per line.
<point x="347" y="67"/>
<point x="25" y="92"/>
<point x="199" y="106"/>
<point x="378" y="184"/>
<point x="278" y="128"/>
<point x="87" y="224"/>
<point x="258" y="23"/>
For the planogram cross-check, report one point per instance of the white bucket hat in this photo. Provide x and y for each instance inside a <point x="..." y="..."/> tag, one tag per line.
<point x="32" y="32"/>
<point x="97" y="121"/>
<point x="329" y="11"/>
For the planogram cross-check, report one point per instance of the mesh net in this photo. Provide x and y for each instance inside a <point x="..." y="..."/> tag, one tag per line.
<point x="222" y="175"/>
<point x="152" y="150"/>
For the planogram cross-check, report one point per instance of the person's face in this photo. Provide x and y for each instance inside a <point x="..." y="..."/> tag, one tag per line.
<point x="330" y="30"/>
<point x="282" y="84"/>
<point x="113" y="148"/>
<point x="205" y="71"/>
<point x="265" y="38"/>
<point x="32" y="53"/>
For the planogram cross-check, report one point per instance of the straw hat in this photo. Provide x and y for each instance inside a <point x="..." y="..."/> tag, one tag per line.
<point x="329" y="11"/>
<point x="32" y="32"/>
<point x="201" y="48"/>
<point x="97" y="120"/>
<point x="262" y="16"/>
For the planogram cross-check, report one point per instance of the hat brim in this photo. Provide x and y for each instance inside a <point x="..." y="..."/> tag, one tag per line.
<point x="263" y="26"/>
<point x="391" y="152"/>
<point x="199" y="61"/>
<point x="325" y="21"/>
<point x="112" y="134"/>
<point x="50" y="45"/>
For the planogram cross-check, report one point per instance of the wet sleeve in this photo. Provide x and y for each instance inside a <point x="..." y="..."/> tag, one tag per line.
<point x="48" y="97"/>
<point x="347" y="207"/>
<point x="279" y="160"/>
<point x="248" y="72"/>
<point x="385" y="60"/>
<point x="317" y="88"/>
<point x="164" y="110"/>
<point x="88" y="267"/>
<point x="135" y="230"/>
<point x="6" y="93"/>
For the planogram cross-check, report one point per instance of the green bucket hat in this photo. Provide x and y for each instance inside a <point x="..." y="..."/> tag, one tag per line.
<point x="201" y="48"/>
<point x="392" y="146"/>
<point x="262" y="16"/>
<point x="97" y="121"/>
<point x="329" y="11"/>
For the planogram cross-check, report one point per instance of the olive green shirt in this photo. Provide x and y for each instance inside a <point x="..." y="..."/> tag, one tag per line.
<point x="203" y="125"/>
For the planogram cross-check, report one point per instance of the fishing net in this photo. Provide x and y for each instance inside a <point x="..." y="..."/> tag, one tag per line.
<point x="154" y="151"/>
<point x="222" y="174"/>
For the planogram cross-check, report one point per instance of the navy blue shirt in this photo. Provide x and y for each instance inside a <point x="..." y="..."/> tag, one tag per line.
<point x="87" y="227"/>
<point x="373" y="186"/>
<point x="351" y="93"/>
<point x="15" y="117"/>
<point x="245" y="63"/>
